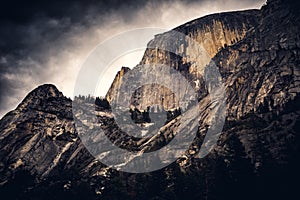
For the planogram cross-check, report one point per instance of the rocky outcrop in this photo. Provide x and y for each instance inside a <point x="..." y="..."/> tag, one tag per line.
<point x="205" y="36"/>
<point x="213" y="32"/>
<point x="113" y="91"/>
<point x="40" y="147"/>
<point x="262" y="70"/>
<point x="41" y="129"/>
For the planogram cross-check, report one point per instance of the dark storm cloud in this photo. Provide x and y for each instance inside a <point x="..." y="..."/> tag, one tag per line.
<point x="40" y="40"/>
<point x="24" y="11"/>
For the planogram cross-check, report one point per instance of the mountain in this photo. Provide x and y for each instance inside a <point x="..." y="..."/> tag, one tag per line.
<point x="211" y="32"/>
<point x="257" y="153"/>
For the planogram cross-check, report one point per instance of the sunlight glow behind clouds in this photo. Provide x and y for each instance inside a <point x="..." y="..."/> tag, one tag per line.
<point x="62" y="59"/>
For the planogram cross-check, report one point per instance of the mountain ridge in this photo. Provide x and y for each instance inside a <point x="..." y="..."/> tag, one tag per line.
<point x="211" y="33"/>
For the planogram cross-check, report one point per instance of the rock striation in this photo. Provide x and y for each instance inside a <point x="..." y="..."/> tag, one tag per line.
<point x="205" y="36"/>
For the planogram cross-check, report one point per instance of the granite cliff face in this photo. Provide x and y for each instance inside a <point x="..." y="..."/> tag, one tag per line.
<point x="40" y="147"/>
<point x="256" y="157"/>
<point x="205" y="36"/>
<point x="115" y="86"/>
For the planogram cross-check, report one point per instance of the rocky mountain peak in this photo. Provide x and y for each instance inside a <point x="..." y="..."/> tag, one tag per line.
<point x="212" y="33"/>
<point x="41" y="98"/>
<point x="45" y="91"/>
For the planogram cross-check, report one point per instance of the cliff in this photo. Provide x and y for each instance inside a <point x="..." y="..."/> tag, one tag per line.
<point x="204" y="36"/>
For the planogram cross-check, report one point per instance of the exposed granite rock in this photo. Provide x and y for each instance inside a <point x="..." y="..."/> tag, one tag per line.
<point x="113" y="91"/>
<point x="211" y="33"/>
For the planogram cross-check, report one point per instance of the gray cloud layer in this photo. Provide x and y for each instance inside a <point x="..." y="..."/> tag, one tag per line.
<point x="46" y="43"/>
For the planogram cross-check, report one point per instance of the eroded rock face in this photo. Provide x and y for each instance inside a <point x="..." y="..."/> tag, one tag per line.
<point x="213" y="32"/>
<point x="205" y="37"/>
<point x="113" y="91"/>
<point x="262" y="71"/>
<point x="38" y="140"/>
<point x="256" y="157"/>
<point x="41" y="129"/>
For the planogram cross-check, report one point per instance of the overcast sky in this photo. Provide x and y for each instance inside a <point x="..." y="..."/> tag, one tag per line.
<point x="47" y="42"/>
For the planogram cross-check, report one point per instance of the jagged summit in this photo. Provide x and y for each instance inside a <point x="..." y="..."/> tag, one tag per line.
<point x="39" y="97"/>
<point x="45" y="91"/>
<point x="44" y="97"/>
